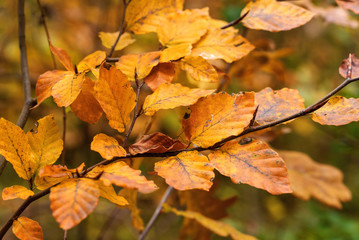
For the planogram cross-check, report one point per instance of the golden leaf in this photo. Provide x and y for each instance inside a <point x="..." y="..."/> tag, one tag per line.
<point x="311" y="179"/>
<point x="73" y="200"/>
<point x="175" y="52"/>
<point x="45" y="82"/>
<point x="109" y="193"/>
<point x="116" y="97"/>
<point x="253" y="163"/>
<point x="218" y="116"/>
<point x="169" y="96"/>
<point x="187" y="170"/>
<point x="107" y="146"/>
<point x="27" y="229"/>
<point x="91" y="61"/>
<point x="274" y="16"/>
<point x="131" y="195"/>
<point x="109" y="39"/>
<point x="63" y="57"/>
<point x="16" y="191"/>
<point x="199" y="69"/>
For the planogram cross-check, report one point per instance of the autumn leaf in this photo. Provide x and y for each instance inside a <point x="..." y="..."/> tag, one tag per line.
<point x="162" y="73"/>
<point x="252" y="162"/>
<point x="45" y="142"/>
<point x="352" y="5"/>
<point x="274" y="105"/>
<point x="169" y="96"/>
<point x="337" y="111"/>
<point x="107" y="146"/>
<point x="141" y="63"/>
<point x="27" y="229"/>
<point x="16" y="191"/>
<point x="116" y="97"/>
<point x="311" y="179"/>
<point x="335" y="15"/>
<point x="199" y="69"/>
<point x="73" y="200"/>
<point x="175" y="52"/>
<point x="143" y="16"/>
<point x="156" y="143"/>
<point x="187" y="170"/>
<point x="120" y="174"/>
<point x="218" y="116"/>
<point x="109" y="193"/>
<point x="45" y="82"/>
<point x="109" y="39"/>
<point x="220" y="228"/>
<point x="63" y="57"/>
<point x="353" y="62"/>
<point x="274" y="16"/>
<point x="15" y="147"/>
<point x="131" y="195"/>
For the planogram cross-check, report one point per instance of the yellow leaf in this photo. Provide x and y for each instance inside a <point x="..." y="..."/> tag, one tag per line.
<point x="144" y="16"/>
<point x="252" y="162"/>
<point x="108" y="39"/>
<point x="16" y="191"/>
<point x="91" y="61"/>
<point x="169" y="96"/>
<point x="120" y="174"/>
<point x="218" y="116"/>
<point x="220" y="228"/>
<point x="131" y="195"/>
<point x="63" y="57"/>
<point x="109" y="193"/>
<point x="107" y="146"/>
<point x="27" y="229"/>
<point x="141" y="63"/>
<point x="187" y="170"/>
<point x="199" y="69"/>
<point x="175" y="52"/>
<point x="45" y="142"/>
<point x="116" y="97"/>
<point x="274" y="16"/>
<point x="15" y="147"/>
<point x="73" y="200"/>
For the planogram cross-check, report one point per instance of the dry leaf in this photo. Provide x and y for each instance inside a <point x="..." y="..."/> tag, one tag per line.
<point x="337" y="111"/>
<point x="218" y="116"/>
<point x="162" y="73"/>
<point x="107" y="146"/>
<point x="254" y="163"/>
<point x="27" y="229"/>
<point x="131" y="195"/>
<point x="91" y="61"/>
<point x="169" y="96"/>
<point x="175" y="52"/>
<point x="199" y="69"/>
<point x="311" y="179"/>
<point x="16" y="191"/>
<point x="109" y="193"/>
<point x="353" y="63"/>
<point x="187" y="170"/>
<point x="63" y="57"/>
<point x="73" y="200"/>
<point x="109" y="39"/>
<point x="45" y="82"/>
<point x="352" y="5"/>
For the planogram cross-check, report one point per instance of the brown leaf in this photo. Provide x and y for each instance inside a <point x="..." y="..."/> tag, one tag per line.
<point x="73" y="200"/>
<point x="272" y="15"/>
<point x="311" y="179"/>
<point x="275" y="105"/>
<point x="253" y="163"/>
<point x="45" y="82"/>
<point x="218" y="116"/>
<point x="63" y="57"/>
<point x="187" y="170"/>
<point x="162" y="73"/>
<point x="199" y="69"/>
<point x="16" y="191"/>
<point x="337" y="111"/>
<point x="120" y="174"/>
<point x="169" y="96"/>
<point x="27" y="229"/>
<point x="353" y="63"/>
<point x="116" y="97"/>
<point x="131" y="195"/>
<point x="352" y="5"/>
<point x="107" y="146"/>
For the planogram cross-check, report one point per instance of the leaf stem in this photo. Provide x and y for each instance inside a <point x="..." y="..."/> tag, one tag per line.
<point x="235" y="22"/>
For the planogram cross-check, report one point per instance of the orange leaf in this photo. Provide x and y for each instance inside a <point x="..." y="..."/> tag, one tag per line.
<point x="311" y="179"/>
<point x="15" y="147"/>
<point x="225" y="44"/>
<point x="218" y="116"/>
<point x="169" y="96"/>
<point x="274" y="16"/>
<point x="27" y="229"/>
<point x="253" y="163"/>
<point x="162" y="73"/>
<point x="109" y="193"/>
<point x="91" y="61"/>
<point x="73" y="200"/>
<point x="63" y="57"/>
<point x="141" y="63"/>
<point x="45" y="83"/>
<point x="352" y="5"/>
<point x="116" y="97"/>
<point x="175" y="52"/>
<point x="16" y="191"/>
<point x="107" y="146"/>
<point x="199" y="69"/>
<point x="108" y="39"/>
<point x="120" y="174"/>
<point x="353" y="62"/>
<point x="45" y="141"/>
<point x="187" y="170"/>
<point x="274" y="105"/>
<point x="131" y="195"/>
<point x="337" y="111"/>
<point x="156" y="143"/>
<point x="86" y="107"/>
<point x="220" y="228"/>
<point x="143" y="16"/>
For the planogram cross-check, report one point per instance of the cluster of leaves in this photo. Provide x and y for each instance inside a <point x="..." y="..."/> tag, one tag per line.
<point x="222" y="123"/>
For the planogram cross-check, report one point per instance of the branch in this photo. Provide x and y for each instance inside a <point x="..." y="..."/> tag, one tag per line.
<point x="156" y="213"/>
<point x="235" y="22"/>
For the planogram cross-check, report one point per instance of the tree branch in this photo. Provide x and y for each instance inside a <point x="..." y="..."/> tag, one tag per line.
<point x="235" y="22"/>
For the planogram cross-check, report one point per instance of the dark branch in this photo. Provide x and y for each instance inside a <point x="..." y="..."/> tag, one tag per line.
<point x="235" y="22"/>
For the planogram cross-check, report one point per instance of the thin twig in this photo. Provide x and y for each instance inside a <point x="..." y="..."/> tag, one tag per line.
<point x="64" y="116"/>
<point x="238" y="20"/>
<point x="156" y="213"/>
<point x="107" y="225"/>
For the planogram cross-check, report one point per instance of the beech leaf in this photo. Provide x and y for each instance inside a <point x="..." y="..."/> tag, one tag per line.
<point x="107" y="146"/>
<point x="45" y="82"/>
<point x="199" y="69"/>
<point x="27" y="229"/>
<point x="109" y="193"/>
<point x="16" y="191"/>
<point x="352" y="5"/>
<point x="353" y="62"/>
<point x="131" y="196"/>
<point x="63" y="57"/>
<point x="109" y="39"/>
<point x="162" y="73"/>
